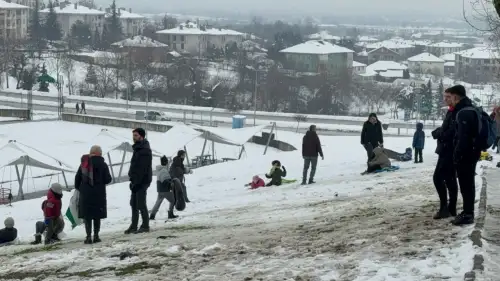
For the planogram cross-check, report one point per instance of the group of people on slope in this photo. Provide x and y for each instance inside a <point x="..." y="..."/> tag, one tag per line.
<point x="91" y="179"/>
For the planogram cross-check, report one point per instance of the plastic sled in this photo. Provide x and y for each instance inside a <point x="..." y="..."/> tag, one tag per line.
<point x="285" y="181"/>
<point x="388" y="169"/>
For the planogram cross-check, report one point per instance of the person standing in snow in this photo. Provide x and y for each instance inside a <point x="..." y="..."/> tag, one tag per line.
<point x="167" y="189"/>
<point x="496" y="117"/>
<point x="83" y="108"/>
<point x="445" y="179"/>
<point x="9" y="233"/>
<point x="91" y="180"/>
<point x="419" y="142"/>
<point x="77" y="108"/>
<point x="311" y="148"/>
<point x="371" y="135"/>
<point x="178" y="170"/>
<point x="465" y="155"/>
<point x="10" y="198"/>
<point x="141" y="176"/>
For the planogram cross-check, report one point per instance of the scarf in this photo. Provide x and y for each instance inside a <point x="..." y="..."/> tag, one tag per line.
<point x="451" y="108"/>
<point x="87" y="170"/>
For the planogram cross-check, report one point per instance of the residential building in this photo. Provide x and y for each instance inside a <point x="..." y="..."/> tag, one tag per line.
<point x="441" y="48"/>
<point x="382" y="53"/>
<point x="477" y="65"/>
<point x="426" y="63"/>
<point x="196" y="40"/>
<point x="13" y="21"/>
<point x="132" y="23"/>
<point x="386" y="71"/>
<point x="28" y="3"/>
<point x="358" y="67"/>
<point x="325" y="36"/>
<point x="142" y="50"/>
<point x="449" y="63"/>
<point x="68" y="14"/>
<point x="318" y="56"/>
<point x="403" y="47"/>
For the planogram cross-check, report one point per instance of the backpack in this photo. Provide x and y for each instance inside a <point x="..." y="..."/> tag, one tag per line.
<point x="487" y="129"/>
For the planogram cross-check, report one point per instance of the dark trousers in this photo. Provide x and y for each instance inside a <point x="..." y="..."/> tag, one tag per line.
<point x="309" y="161"/>
<point x="184" y="190"/>
<point x="418" y="155"/>
<point x="53" y="228"/>
<point x="373" y="168"/>
<point x="88" y="226"/>
<point x="369" y="151"/>
<point x="445" y="181"/>
<point x="138" y="205"/>
<point x="495" y="145"/>
<point x="466" y="171"/>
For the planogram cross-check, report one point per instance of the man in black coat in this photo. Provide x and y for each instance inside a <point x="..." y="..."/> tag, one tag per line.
<point x="91" y="180"/>
<point x="445" y="179"/>
<point x="371" y="135"/>
<point x="141" y="176"/>
<point x="311" y="147"/>
<point x="466" y="154"/>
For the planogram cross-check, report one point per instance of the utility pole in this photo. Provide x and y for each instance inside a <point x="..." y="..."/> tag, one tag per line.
<point x="255" y="98"/>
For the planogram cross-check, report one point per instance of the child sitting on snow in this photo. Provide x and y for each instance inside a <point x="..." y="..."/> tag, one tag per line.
<point x="378" y="162"/>
<point x="53" y="223"/>
<point x="256" y="183"/>
<point x="407" y="156"/>
<point x="9" y="233"/>
<point x="277" y="174"/>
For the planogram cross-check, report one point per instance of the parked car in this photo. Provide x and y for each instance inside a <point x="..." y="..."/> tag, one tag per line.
<point x="156" y="116"/>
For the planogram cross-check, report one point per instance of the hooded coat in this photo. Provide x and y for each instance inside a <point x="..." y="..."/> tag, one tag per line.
<point x="52" y="206"/>
<point x="419" y="137"/>
<point x="92" y="203"/>
<point x="380" y="158"/>
<point x="311" y="145"/>
<point x="445" y="134"/>
<point x="372" y="133"/>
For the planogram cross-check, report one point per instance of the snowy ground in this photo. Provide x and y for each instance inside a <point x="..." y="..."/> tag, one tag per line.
<point x="345" y="227"/>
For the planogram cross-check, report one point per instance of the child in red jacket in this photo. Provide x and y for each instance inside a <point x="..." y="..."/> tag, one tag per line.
<point x="52" y="213"/>
<point x="256" y="183"/>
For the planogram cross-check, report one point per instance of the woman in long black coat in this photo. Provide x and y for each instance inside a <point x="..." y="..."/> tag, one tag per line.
<point x="91" y="180"/>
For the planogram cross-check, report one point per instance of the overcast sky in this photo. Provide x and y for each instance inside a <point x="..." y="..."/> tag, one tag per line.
<point x="452" y="8"/>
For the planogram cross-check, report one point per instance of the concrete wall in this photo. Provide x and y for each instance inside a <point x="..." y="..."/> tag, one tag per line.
<point x="18" y="113"/>
<point x="113" y="122"/>
<point x="262" y="140"/>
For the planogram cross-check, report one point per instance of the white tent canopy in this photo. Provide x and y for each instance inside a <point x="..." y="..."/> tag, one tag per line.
<point x="16" y="154"/>
<point x="177" y="138"/>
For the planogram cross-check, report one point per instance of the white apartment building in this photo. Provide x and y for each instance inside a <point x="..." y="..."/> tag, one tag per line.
<point x="194" y="39"/>
<point x="426" y="63"/>
<point x="441" y="48"/>
<point x="132" y="23"/>
<point x="13" y="21"/>
<point x="476" y="65"/>
<point x="68" y="14"/>
<point x="358" y="67"/>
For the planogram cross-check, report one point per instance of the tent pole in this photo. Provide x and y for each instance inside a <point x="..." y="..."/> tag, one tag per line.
<point x="241" y="151"/>
<point x="111" y="166"/>
<point x="65" y="181"/>
<point x="213" y="152"/>
<point x="269" y="138"/>
<point x="121" y="166"/>
<point x="20" y="180"/>
<point x="187" y="158"/>
<point x="203" y="151"/>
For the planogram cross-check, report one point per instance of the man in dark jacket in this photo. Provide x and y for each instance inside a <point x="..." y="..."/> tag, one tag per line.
<point x="91" y="180"/>
<point x="141" y="176"/>
<point x="178" y="170"/>
<point x="311" y="147"/>
<point x="445" y="179"/>
<point x="371" y="135"/>
<point x="466" y="154"/>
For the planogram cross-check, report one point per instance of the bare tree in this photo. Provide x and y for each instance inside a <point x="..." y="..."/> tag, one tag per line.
<point x="299" y="118"/>
<point x="105" y="74"/>
<point x="68" y="66"/>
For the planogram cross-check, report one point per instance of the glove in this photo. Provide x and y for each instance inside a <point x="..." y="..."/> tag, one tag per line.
<point x="47" y="221"/>
<point x="322" y="157"/>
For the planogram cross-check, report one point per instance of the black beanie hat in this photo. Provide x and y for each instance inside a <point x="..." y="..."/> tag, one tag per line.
<point x="140" y="131"/>
<point x="180" y="153"/>
<point x="458" y="90"/>
<point x="164" y="160"/>
<point x="372" y="115"/>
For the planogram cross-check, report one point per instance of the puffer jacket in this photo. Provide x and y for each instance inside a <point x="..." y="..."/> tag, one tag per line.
<point x="380" y="158"/>
<point x="162" y="179"/>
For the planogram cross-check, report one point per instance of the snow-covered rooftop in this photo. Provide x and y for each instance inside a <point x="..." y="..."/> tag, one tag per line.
<point x="74" y="9"/>
<point x="448" y="57"/>
<point x="390" y="44"/>
<point x="382" y="65"/>
<point x="449" y="63"/>
<point x="8" y="5"/>
<point x="192" y="28"/>
<point x="323" y="35"/>
<point x="316" y="47"/>
<point x="446" y="45"/>
<point x="139" y="41"/>
<point x="124" y="14"/>
<point x="357" y="64"/>
<point x="363" y="53"/>
<point x="392" y="74"/>
<point x="425" y="57"/>
<point x="479" y="53"/>
<point x="367" y="39"/>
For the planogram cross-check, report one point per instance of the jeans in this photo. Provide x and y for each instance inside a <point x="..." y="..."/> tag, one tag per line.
<point x="159" y="200"/>
<point x="309" y="161"/>
<point x="418" y="155"/>
<point x="138" y="205"/>
<point x="53" y="228"/>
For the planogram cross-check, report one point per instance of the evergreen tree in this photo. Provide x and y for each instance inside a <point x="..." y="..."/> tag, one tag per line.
<point x="96" y="43"/>
<point x="80" y="34"/>
<point x="105" y="39"/>
<point x="91" y="77"/>
<point x="426" y="101"/>
<point x="53" y="31"/>
<point x="406" y="74"/>
<point x="114" y="27"/>
<point x="35" y="30"/>
<point x="438" y="98"/>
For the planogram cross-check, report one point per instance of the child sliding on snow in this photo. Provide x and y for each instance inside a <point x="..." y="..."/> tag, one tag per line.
<point x="277" y="174"/>
<point x="256" y="183"/>
<point x="378" y="162"/>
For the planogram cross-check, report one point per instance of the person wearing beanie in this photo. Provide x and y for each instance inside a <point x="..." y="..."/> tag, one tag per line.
<point x="178" y="170"/>
<point x="53" y="222"/>
<point x="91" y="179"/>
<point x="371" y="135"/>
<point x="141" y="176"/>
<point x="465" y="154"/>
<point x="9" y="233"/>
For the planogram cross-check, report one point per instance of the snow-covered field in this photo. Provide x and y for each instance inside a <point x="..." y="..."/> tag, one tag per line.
<point x="345" y="227"/>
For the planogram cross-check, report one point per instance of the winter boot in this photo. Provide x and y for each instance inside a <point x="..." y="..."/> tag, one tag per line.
<point x="152" y="216"/>
<point x="96" y="239"/>
<point x="311" y="181"/>
<point x="88" y="240"/>
<point x="171" y="215"/>
<point x="463" y="219"/>
<point x="142" y="229"/>
<point x="303" y="182"/>
<point x="442" y="214"/>
<point x="38" y="240"/>
<point x="130" y="230"/>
